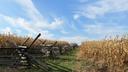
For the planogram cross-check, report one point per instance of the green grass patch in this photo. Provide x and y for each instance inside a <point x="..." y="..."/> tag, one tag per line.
<point x="64" y="63"/>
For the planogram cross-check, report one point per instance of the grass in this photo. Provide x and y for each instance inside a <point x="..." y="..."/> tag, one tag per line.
<point x="64" y="63"/>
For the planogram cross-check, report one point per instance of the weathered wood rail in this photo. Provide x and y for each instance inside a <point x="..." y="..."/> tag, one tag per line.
<point x="22" y="57"/>
<point x="27" y="56"/>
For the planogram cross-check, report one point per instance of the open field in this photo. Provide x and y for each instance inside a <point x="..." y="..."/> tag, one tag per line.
<point x="42" y="56"/>
<point x="108" y="55"/>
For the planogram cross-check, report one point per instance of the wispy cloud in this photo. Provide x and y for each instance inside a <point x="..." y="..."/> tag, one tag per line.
<point x="37" y="18"/>
<point x="18" y="22"/>
<point x="74" y="27"/>
<point x="90" y="18"/>
<point x="23" y="24"/>
<point x="76" y="16"/>
<point x="102" y="7"/>
<point x="75" y="39"/>
<point x="64" y="32"/>
<point x="36" y="22"/>
<point x="82" y="1"/>
<point x="6" y="30"/>
<point x="55" y="24"/>
<point x="104" y="29"/>
<point x="31" y="11"/>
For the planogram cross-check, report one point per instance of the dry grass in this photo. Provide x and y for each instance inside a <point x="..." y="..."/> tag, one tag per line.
<point x="10" y="41"/>
<point x="108" y="55"/>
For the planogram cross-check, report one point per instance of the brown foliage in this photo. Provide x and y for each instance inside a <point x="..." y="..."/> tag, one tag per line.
<point x="108" y="55"/>
<point x="10" y="41"/>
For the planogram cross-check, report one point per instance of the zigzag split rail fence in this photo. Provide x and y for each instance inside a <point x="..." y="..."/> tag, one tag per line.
<point x="27" y="57"/>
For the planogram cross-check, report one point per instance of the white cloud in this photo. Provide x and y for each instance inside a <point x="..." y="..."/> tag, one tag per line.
<point x="23" y="24"/>
<point x="56" y="23"/>
<point x="64" y="32"/>
<point x="45" y="34"/>
<point x="76" y="16"/>
<point x="104" y="29"/>
<point x="82" y="1"/>
<point x="76" y="39"/>
<point x="102" y="7"/>
<point x="38" y="20"/>
<point x="18" y="22"/>
<point x="6" y="30"/>
<point x="74" y="27"/>
<point x="30" y="9"/>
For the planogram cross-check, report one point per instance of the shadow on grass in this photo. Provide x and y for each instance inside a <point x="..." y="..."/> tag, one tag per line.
<point x="65" y="59"/>
<point x="64" y="63"/>
<point x="57" y="68"/>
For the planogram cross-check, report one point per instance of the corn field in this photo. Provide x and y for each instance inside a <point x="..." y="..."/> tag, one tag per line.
<point x="108" y="55"/>
<point x="10" y="41"/>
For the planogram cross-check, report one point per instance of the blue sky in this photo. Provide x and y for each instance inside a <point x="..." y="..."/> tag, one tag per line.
<point x="70" y="20"/>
